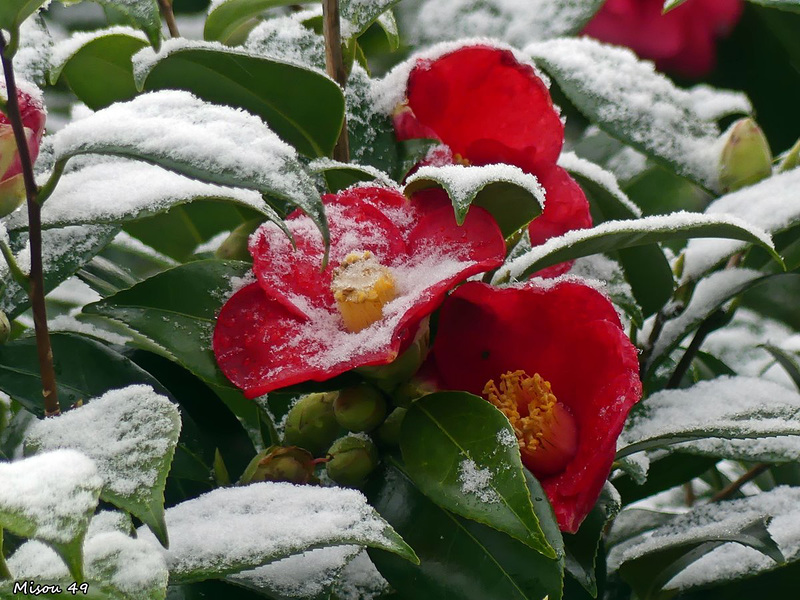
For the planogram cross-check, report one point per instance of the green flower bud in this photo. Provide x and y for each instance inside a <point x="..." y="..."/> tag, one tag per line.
<point x="746" y="157"/>
<point x="412" y="390"/>
<point x="311" y="423"/>
<point x="388" y="434"/>
<point x="5" y="328"/>
<point x="790" y="159"/>
<point x="352" y="459"/>
<point x="360" y="408"/>
<point x="277" y="463"/>
<point x="388" y="377"/>
<point x="235" y="245"/>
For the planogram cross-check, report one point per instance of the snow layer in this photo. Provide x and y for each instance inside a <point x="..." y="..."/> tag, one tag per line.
<point x="49" y="496"/>
<point x="624" y="94"/>
<point x="605" y="179"/>
<point x="67" y="48"/>
<point x="130" y="433"/>
<point x="772" y="204"/>
<point x="234" y="529"/>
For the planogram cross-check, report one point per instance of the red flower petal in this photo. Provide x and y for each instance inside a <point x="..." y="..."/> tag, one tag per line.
<point x="486" y="106"/>
<point x="33" y="119"/>
<point x="286" y="329"/>
<point x="570" y="335"/>
<point x="565" y="209"/>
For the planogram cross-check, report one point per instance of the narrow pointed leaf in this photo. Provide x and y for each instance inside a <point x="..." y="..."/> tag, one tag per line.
<point x="787" y="360"/>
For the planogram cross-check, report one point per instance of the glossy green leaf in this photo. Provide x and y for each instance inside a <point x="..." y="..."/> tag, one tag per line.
<point x="462" y="453"/>
<point x="651" y="570"/>
<point x="69" y="249"/>
<point x="356" y="15"/>
<point x="615" y="235"/>
<point x="100" y="71"/>
<point x="84" y="369"/>
<point x="225" y="18"/>
<point x="460" y="559"/>
<point x="14" y="12"/>
<point x="141" y="431"/>
<point x="790" y="5"/>
<point x="582" y="547"/>
<point x="670" y="4"/>
<point x="308" y="114"/>
<point x="512" y="197"/>
<point x="662" y="474"/>
<point x="143" y="14"/>
<point x="173" y="313"/>
<point x="51" y="498"/>
<point x="388" y="24"/>
<point x="339" y="176"/>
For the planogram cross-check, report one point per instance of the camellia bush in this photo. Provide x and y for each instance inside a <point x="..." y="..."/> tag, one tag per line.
<point x="365" y="299"/>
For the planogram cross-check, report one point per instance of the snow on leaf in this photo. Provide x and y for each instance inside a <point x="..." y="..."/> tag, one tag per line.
<point x="709" y="295"/>
<point x="51" y="497"/>
<point x="33" y="56"/>
<point x="770" y="204"/>
<point x="230" y="530"/>
<point x="726" y="407"/>
<point x="287" y="39"/>
<point x="613" y="235"/>
<point x="64" y="251"/>
<point x="357" y="15"/>
<point x="360" y="580"/>
<point x="607" y="271"/>
<point x="117" y="191"/>
<point x="631" y="101"/>
<point x="203" y="141"/>
<point x="517" y="22"/>
<point x="586" y="170"/>
<point x="306" y="575"/>
<point x="131" y="435"/>
<point x="142" y="13"/>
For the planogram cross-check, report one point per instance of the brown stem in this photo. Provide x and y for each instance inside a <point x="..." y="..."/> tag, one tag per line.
<point x="5" y="574"/>
<point x="735" y="486"/>
<point x="169" y="17"/>
<point x="335" y="67"/>
<point x="36" y="277"/>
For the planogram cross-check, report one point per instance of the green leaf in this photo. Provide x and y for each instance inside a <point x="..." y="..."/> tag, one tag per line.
<point x="460" y="559"/>
<point x="356" y="16"/>
<point x="51" y="498"/>
<point x="787" y="360"/>
<point x="68" y="250"/>
<point x="339" y="176"/>
<point x="729" y="408"/>
<point x="512" y="197"/>
<point x="582" y="547"/>
<point x="308" y="114"/>
<point x="711" y="294"/>
<point x="143" y="14"/>
<point x="658" y="561"/>
<point x="226" y="17"/>
<point x="662" y="474"/>
<point x="615" y="235"/>
<point x="387" y="22"/>
<point x="629" y="100"/>
<point x="462" y="453"/>
<point x="790" y="5"/>
<point x="226" y="146"/>
<point x="100" y="72"/>
<point x="670" y="4"/>
<point x="174" y="313"/>
<point x="278" y="520"/>
<point x="14" y="12"/>
<point x="131" y="435"/>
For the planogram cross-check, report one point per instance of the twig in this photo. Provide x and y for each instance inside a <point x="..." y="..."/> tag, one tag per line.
<point x="36" y="277"/>
<point x="334" y="63"/>
<point x="169" y="17"/>
<point x="735" y="486"/>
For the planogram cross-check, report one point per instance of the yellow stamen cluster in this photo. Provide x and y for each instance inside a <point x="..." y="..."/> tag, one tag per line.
<point x="545" y="429"/>
<point x="362" y="286"/>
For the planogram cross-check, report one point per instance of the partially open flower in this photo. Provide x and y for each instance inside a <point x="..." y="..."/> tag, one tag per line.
<point x="681" y="41"/>
<point x="488" y="108"/>
<point x="12" y="187"/>
<point x="391" y="263"/>
<point x="555" y="360"/>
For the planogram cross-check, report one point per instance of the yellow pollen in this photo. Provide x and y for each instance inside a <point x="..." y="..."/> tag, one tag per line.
<point x="362" y="286"/>
<point x="545" y="429"/>
<point x="458" y="159"/>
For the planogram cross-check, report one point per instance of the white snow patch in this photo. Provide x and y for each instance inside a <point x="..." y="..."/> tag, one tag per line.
<point x="476" y="481"/>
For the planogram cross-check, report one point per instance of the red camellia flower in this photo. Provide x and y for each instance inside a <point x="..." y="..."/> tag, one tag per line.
<point x="391" y="263"/>
<point x="12" y="188"/>
<point x="489" y="108"/>
<point x="681" y="41"/>
<point x="553" y="357"/>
